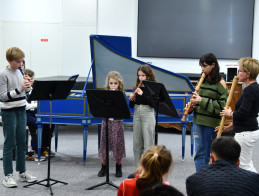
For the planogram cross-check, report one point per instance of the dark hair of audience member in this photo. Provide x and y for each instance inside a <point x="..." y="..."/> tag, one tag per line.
<point x="28" y="72"/>
<point x="226" y="148"/>
<point x="23" y="65"/>
<point x="160" y="190"/>
<point x="155" y="162"/>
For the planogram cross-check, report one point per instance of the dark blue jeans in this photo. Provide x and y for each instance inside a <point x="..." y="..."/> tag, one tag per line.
<point x="14" y="128"/>
<point x="203" y="137"/>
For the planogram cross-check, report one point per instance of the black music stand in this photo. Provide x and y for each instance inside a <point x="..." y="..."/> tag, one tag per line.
<point x="107" y="104"/>
<point x="50" y="90"/>
<point x="161" y="101"/>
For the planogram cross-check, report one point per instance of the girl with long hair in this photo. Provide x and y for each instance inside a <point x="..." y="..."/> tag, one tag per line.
<point x="153" y="169"/>
<point x="116" y="131"/>
<point x="144" y="118"/>
<point x="208" y="103"/>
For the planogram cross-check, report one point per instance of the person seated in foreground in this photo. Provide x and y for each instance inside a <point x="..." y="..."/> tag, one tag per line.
<point x="153" y="169"/>
<point x="223" y="176"/>
<point x="160" y="190"/>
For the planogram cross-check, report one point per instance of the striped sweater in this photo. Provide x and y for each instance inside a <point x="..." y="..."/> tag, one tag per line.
<point x="214" y="98"/>
<point x="10" y="94"/>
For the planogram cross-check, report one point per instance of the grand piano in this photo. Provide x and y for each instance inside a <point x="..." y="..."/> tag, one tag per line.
<point x="110" y="53"/>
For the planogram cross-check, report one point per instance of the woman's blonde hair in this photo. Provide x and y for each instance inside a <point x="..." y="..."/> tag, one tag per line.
<point x="250" y="65"/>
<point x="116" y="76"/>
<point x="155" y="162"/>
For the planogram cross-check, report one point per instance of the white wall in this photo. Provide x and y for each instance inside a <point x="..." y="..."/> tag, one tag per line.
<point x="256" y="31"/>
<point x="24" y="24"/>
<point x="117" y="17"/>
<point x="1" y="44"/>
<point x="67" y="25"/>
<point x="121" y="19"/>
<point x="16" y="34"/>
<point x="32" y="10"/>
<point x="79" y="21"/>
<point x="1" y="36"/>
<point x="46" y="56"/>
<point x="1" y="9"/>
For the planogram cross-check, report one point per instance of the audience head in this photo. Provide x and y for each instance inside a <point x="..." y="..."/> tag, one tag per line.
<point x="160" y="190"/>
<point x="155" y="165"/>
<point x="116" y="76"/>
<point x="249" y="66"/>
<point x="226" y="148"/>
<point x="23" y="65"/>
<point x="213" y="75"/>
<point x="29" y="73"/>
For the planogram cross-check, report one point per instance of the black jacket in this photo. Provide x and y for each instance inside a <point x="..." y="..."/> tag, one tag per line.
<point x="223" y="178"/>
<point x="246" y="109"/>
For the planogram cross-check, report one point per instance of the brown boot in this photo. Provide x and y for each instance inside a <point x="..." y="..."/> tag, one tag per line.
<point x="118" y="170"/>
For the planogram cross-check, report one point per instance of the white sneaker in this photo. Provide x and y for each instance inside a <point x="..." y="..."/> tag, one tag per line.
<point x="9" y="181"/>
<point x="26" y="177"/>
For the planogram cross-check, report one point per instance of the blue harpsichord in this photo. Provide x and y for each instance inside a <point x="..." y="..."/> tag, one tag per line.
<point x="113" y="53"/>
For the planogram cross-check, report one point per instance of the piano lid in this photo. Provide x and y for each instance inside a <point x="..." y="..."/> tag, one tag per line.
<point x="113" y="53"/>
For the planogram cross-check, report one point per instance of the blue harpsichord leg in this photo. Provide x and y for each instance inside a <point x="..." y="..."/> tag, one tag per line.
<point x="39" y="135"/>
<point x="183" y="139"/>
<point x="56" y="137"/>
<point x="85" y="143"/>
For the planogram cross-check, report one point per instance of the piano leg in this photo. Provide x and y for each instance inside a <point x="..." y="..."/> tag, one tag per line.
<point x="183" y="139"/>
<point x="192" y="141"/>
<point x="56" y="137"/>
<point x="39" y="135"/>
<point x="85" y="143"/>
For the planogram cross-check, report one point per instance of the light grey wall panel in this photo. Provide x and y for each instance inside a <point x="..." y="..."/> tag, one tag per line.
<point x="76" y="57"/>
<point x="1" y="46"/>
<point x="46" y="55"/>
<point x="16" y="34"/>
<point x="79" y="12"/>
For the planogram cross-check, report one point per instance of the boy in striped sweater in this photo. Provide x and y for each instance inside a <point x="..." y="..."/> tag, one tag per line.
<point x="13" y="89"/>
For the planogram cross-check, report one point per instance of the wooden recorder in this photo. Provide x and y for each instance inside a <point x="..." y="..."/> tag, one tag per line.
<point x="196" y="90"/>
<point x="228" y="103"/>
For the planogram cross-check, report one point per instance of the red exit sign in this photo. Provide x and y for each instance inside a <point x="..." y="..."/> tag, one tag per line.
<point x="44" y="40"/>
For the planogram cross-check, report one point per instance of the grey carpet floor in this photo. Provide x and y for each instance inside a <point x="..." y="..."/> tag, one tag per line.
<point x="68" y="166"/>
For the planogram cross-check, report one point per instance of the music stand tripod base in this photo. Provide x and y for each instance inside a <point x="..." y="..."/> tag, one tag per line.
<point x="107" y="104"/>
<point x="50" y="90"/>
